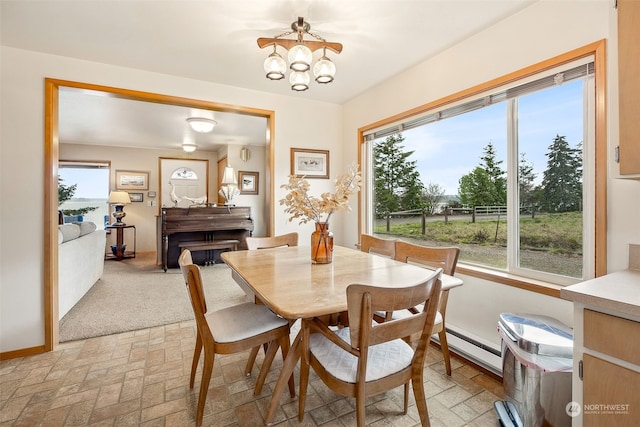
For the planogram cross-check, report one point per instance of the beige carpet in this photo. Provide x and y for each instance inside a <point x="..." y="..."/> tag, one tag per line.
<point x="136" y="294"/>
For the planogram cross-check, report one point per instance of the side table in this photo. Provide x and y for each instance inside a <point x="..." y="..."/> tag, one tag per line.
<point x="119" y="250"/>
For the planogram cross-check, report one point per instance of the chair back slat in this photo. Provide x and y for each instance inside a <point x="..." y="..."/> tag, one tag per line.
<point x="284" y="240"/>
<point x="445" y="257"/>
<point x="371" y="299"/>
<point x="378" y="246"/>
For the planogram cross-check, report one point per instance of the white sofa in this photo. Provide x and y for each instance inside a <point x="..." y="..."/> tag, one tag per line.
<point x="81" y="250"/>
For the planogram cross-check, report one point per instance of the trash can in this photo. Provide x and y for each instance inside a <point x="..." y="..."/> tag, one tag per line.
<point x="537" y="364"/>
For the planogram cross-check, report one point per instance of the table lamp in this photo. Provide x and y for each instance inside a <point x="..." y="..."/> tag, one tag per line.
<point x="230" y="188"/>
<point x="118" y="199"/>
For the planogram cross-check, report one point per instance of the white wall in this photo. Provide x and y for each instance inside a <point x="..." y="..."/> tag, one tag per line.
<point x="542" y="31"/>
<point x="22" y="76"/>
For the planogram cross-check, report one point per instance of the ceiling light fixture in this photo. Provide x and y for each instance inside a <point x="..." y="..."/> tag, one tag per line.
<point x="189" y="147"/>
<point x="201" y="124"/>
<point x="300" y="57"/>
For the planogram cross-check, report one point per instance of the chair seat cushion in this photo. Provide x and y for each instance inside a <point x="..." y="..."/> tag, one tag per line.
<point x="242" y="321"/>
<point x="384" y="359"/>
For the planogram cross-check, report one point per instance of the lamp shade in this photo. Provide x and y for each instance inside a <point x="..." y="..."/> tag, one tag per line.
<point x="229" y="176"/>
<point x="119" y="198"/>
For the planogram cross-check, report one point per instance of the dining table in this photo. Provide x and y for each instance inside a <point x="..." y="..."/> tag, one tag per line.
<point x="286" y="280"/>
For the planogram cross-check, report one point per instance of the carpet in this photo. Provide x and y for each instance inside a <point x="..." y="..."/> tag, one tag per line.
<point x="136" y="293"/>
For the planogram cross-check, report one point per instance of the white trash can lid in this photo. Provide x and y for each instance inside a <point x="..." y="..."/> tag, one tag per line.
<point x="538" y="334"/>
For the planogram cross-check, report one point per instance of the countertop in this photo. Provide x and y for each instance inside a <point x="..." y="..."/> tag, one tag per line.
<point x="619" y="291"/>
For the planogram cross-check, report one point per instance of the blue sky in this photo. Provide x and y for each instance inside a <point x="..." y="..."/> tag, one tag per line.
<point x="447" y="149"/>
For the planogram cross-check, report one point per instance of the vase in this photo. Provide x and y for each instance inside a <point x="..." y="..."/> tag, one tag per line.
<point x="322" y="244"/>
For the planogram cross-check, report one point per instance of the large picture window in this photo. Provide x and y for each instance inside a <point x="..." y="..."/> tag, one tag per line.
<point x="507" y="174"/>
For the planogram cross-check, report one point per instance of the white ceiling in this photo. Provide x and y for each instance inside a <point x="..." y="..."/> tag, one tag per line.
<point x="215" y="41"/>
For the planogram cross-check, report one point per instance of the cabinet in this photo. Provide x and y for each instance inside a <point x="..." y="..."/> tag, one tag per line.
<point x="629" y="86"/>
<point x="606" y="351"/>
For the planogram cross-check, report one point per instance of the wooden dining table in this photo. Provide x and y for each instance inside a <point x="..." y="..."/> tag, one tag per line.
<point x="293" y="287"/>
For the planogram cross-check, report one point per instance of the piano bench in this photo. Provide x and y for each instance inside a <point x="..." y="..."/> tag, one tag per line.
<point x="210" y="245"/>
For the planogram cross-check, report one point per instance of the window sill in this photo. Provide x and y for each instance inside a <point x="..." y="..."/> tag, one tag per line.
<point x="509" y="279"/>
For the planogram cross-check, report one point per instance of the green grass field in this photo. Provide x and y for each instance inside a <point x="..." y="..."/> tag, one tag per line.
<point x="555" y="233"/>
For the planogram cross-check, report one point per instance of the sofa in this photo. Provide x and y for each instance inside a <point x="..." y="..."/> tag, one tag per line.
<point x="81" y="249"/>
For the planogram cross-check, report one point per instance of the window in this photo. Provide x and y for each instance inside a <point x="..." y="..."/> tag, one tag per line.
<point x="508" y="174"/>
<point x="91" y="191"/>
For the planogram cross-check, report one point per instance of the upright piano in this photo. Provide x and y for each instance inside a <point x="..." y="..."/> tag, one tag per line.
<point x="202" y="224"/>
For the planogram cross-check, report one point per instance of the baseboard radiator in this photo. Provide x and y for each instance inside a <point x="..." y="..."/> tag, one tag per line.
<point x="474" y="349"/>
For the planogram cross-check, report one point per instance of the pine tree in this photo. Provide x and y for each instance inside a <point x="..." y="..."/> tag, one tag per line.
<point x="486" y="185"/>
<point x="562" y="180"/>
<point x="526" y="178"/>
<point x="397" y="180"/>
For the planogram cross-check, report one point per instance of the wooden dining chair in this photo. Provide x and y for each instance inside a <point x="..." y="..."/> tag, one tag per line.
<point x="256" y="243"/>
<point x="230" y="330"/>
<point x="432" y="257"/>
<point x="283" y="240"/>
<point x="378" y="246"/>
<point x="367" y="358"/>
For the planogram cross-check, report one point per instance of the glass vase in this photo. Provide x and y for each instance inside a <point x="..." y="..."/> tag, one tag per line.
<point x="322" y="244"/>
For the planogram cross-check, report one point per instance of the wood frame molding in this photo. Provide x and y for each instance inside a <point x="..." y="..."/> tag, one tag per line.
<point x="51" y="152"/>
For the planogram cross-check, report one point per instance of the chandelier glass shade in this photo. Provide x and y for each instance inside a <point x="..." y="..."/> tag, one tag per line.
<point x="300" y="57"/>
<point x="275" y="66"/>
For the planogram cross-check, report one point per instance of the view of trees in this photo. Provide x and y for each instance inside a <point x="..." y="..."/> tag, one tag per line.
<point x="398" y="186"/>
<point x="65" y="193"/>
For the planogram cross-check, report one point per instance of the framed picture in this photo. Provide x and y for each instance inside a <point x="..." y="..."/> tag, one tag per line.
<point x="310" y="163"/>
<point x="136" y="197"/>
<point x="248" y="182"/>
<point x="132" y="180"/>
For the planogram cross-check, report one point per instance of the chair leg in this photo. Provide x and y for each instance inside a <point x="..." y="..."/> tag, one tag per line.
<point x="304" y="382"/>
<point x="284" y="348"/>
<point x="251" y="360"/>
<point x="268" y="360"/>
<point x="207" y="369"/>
<point x="196" y="358"/>
<point x="445" y="350"/>
<point x="417" y="382"/>
<point x="406" y="398"/>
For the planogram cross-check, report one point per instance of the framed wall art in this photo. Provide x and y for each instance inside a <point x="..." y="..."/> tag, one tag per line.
<point x="136" y="197"/>
<point x="310" y="163"/>
<point x="132" y="180"/>
<point x="248" y="182"/>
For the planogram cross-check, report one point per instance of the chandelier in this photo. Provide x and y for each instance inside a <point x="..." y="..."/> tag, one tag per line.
<point x="300" y="56"/>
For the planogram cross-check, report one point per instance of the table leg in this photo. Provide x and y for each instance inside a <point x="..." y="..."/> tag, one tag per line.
<point x="287" y="369"/>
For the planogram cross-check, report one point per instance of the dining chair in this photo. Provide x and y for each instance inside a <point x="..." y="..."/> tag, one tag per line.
<point x="367" y="358"/>
<point x="445" y="257"/>
<point x="378" y="246"/>
<point x="283" y="240"/>
<point x="230" y="330"/>
<point x="256" y="243"/>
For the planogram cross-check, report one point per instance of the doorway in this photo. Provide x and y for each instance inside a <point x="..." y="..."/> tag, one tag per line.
<point x="52" y="88"/>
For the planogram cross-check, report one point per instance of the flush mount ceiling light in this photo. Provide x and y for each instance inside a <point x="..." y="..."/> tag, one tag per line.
<point x="188" y="147"/>
<point x="300" y="56"/>
<point x="200" y="124"/>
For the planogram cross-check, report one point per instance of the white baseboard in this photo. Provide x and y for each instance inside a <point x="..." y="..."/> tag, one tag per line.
<point x="475" y="349"/>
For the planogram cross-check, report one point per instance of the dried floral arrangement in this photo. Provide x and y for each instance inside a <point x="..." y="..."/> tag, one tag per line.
<point x="300" y="205"/>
